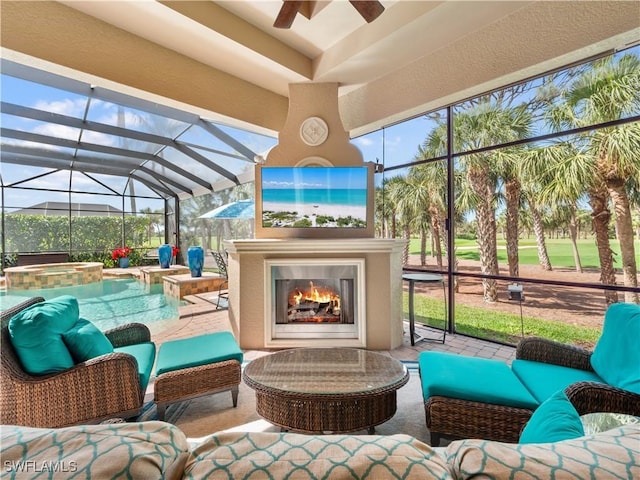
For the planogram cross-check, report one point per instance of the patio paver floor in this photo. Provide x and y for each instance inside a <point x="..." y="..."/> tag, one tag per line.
<point x="202" y="317"/>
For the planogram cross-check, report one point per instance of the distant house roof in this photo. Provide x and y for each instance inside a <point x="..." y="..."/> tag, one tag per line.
<point x="77" y="209"/>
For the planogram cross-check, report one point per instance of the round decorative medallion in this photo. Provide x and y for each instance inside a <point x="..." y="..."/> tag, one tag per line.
<point x="314" y="131"/>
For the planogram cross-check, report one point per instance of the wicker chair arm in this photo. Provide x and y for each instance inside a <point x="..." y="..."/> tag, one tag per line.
<point x="129" y="334"/>
<point x="593" y="397"/>
<point x="6" y="315"/>
<point x="548" y="351"/>
<point x="103" y="387"/>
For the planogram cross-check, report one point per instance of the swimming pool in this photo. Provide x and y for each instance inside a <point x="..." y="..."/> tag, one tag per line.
<point x="110" y="303"/>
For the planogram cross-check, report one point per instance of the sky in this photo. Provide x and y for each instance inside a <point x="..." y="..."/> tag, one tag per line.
<point x="314" y="177"/>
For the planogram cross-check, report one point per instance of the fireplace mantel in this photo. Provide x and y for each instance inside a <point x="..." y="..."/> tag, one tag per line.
<point x="352" y="245"/>
<point x="383" y="285"/>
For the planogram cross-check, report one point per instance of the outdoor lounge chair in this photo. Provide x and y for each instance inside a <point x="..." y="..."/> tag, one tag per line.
<point x="108" y="386"/>
<point x="468" y="397"/>
<point x="223" y="293"/>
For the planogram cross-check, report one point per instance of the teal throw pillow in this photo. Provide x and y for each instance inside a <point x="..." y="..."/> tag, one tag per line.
<point x="554" y="420"/>
<point x="36" y="335"/>
<point x="85" y="341"/>
<point x="616" y="357"/>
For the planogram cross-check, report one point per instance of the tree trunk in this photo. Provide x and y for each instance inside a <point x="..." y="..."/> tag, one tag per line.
<point x="573" y="235"/>
<point x="624" y="231"/>
<point x="437" y="239"/>
<point x="423" y="248"/>
<point x="512" y="193"/>
<point x="405" y="251"/>
<point x="601" y="216"/>
<point x="482" y="186"/>
<point x="538" y="229"/>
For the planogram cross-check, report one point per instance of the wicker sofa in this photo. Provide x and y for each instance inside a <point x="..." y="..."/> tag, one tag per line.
<point x="101" y="388"/>
<point x="160" y="450"/>
<point x="478" y="398"/>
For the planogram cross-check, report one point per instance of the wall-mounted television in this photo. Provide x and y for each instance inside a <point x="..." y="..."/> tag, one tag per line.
<point x="314" y="197"/>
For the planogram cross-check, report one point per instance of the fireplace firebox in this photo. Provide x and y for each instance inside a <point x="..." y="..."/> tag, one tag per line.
<point x="315" y="299"/>
<point x="328" y="300"/>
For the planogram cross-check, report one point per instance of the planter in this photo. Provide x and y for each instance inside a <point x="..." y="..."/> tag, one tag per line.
<point x="195" y="257"/>
<point x="123" y="262"/>
<point x="164" y="255"/>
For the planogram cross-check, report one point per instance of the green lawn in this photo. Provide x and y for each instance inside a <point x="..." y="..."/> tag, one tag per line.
<point x="498" y="326"/>
<point x="559" y="250"/>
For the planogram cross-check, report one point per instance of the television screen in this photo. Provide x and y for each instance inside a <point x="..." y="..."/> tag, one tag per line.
<point x="314" y="197"/>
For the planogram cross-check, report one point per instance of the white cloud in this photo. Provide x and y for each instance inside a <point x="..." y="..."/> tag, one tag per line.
<point x="69" y="107"/>
<point x="57" y="131"/>
<point x="365" y="142"/>
<point x="393" y="141"/>
<point x="276" y="184"/>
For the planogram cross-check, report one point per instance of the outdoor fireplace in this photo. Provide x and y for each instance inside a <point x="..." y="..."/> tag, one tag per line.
<point x="315" y="299"/>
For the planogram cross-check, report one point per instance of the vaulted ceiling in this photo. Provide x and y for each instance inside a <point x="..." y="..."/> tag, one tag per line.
<point x="224" y="61"/>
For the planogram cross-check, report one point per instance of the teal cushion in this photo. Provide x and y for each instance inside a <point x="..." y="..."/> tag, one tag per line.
<point x="616" y="357"/>
<point x="197" y="351"/>
<point x="85" y="341"/>
<point x="553" y="421"/>
<point x="474" y="379"/>
<point x="145" y="355"/>
<point x="544" y="379"/>
<point x="36" y="335"/>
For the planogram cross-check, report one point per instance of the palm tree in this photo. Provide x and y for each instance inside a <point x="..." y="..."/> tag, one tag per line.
<point x="402" y="195"/>
<point x="555" y="178"/>
<point x="610" y="90"/>
<point x="391" y="208"/>
<point x="415" y="200"/>
<point x="152" y="226"/>
<point x="483" y="125"/>
<point x="385" y="210"/>
<point x="431" y="179"/>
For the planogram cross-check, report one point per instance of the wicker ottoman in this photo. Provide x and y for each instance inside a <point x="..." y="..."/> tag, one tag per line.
<point x="197" y="366"/>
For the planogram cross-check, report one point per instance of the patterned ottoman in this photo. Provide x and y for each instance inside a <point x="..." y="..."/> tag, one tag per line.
<point x="197" y="366"/>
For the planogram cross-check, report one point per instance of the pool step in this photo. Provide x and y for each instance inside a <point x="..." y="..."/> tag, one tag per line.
<point x="121" y="272"/>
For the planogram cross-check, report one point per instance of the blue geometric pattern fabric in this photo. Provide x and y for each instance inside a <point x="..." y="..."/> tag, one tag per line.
<point x="286" y="455"/>
<point x="158" y="450"/>
<point x="612" y="455"/>
<point x="121" y="450"/>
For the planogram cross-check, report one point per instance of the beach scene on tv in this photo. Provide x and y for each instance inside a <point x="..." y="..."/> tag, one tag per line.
<point x="308" y="197"/>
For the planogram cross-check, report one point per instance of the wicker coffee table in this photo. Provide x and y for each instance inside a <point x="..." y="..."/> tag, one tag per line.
<point x="326" y="390"/>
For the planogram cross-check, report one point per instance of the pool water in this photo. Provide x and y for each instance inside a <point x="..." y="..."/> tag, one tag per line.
<point x="109" y="303"/>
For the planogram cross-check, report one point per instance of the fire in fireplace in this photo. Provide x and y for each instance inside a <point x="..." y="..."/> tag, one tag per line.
<point x="314" y="301"/>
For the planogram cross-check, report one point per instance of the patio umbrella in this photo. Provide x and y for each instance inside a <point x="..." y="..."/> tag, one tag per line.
<point x="233" y="210"/>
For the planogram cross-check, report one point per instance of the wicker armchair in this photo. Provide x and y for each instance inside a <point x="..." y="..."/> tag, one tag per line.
<point x="457" y="418"/>
<point x="586" y="397"/>
<point x="104" y="387"/>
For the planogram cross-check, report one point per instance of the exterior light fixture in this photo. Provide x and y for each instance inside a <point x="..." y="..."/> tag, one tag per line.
<point x="516" y="292"/>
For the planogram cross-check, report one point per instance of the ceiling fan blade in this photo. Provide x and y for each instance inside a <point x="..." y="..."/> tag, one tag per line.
<point x="287" y="14"/>
<point x="370" y="10"/>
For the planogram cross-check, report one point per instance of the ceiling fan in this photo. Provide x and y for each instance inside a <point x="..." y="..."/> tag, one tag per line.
<point x="369" y="10"/>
